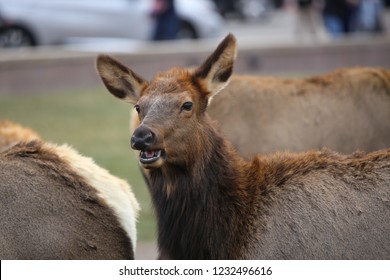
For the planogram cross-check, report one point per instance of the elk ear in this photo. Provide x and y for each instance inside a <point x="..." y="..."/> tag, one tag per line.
<point x="213" y="75"/>
<point x="120" y="80"/>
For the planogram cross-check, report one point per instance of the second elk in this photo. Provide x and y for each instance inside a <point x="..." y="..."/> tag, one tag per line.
<point x="58" y="204"/>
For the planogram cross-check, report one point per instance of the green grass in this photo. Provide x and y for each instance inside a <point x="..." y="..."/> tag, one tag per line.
<point x="94" y="123"/>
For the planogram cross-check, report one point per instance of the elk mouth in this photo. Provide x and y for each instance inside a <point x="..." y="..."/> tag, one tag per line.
<point x="151" y="158"/>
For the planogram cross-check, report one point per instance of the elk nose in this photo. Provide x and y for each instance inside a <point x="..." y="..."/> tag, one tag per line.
<point x="142" y="138"/>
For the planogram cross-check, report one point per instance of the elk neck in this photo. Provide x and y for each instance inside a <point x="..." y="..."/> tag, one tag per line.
<point x="202" y="205"/>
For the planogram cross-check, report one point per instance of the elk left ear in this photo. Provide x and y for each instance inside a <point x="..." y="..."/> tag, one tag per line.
<point x="214" y="74"/>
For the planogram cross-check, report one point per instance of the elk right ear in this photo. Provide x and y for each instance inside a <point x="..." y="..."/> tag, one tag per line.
<point x="120" y="80"/>
<point x="214" y="74"/>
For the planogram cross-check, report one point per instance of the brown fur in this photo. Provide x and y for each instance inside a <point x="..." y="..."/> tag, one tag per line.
<point x="11" y="133"/>
<point x="344" y="110"/>
<point x="212" y="204"/>
<point x="49" y="211"/>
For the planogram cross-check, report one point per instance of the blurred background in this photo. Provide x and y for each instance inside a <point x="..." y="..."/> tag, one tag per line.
<point x="48" y="50"/>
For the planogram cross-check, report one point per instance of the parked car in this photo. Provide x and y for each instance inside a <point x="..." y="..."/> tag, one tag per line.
<point x="46" y="22"/>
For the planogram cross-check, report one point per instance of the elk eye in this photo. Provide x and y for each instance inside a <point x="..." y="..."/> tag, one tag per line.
<point x="137" y="108"/>
<point x="187" y="106"/>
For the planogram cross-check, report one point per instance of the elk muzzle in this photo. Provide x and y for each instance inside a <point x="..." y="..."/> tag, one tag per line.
<point x="144" y="140"/>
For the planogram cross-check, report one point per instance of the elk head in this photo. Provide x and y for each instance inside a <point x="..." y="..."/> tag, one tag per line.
<point x="171" y="107"/>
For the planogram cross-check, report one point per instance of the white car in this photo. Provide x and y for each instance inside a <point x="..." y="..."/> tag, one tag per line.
<point x="47" y="22"/>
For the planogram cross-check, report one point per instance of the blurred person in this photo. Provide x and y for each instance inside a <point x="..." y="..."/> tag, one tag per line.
<point x="166" y="20"/>
<point x="370" y="16"/>
<point x="334" y="15"/>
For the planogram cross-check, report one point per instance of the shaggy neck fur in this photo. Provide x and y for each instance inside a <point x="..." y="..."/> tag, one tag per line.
<point x="201" y="210"/>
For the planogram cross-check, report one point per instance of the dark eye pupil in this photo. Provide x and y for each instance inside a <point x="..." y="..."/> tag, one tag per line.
<point x="136" y="108"/>
<point x="187" y="106"/>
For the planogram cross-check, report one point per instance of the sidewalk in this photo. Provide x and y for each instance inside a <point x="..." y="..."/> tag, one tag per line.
<point x="281" y="27"/>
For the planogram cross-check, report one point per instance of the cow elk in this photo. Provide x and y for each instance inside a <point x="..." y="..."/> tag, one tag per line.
<point x="211" y="203"/>
<point x="57" y="204"/>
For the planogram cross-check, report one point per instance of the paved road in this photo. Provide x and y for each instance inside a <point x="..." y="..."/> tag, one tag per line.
<point x="146" y="251"/>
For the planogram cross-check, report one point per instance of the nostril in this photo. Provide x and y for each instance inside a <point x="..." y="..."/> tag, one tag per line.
<point x="148" y="138"/>
<point x="142" y="138"/>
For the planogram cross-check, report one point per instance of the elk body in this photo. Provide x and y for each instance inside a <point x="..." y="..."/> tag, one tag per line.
<point x="344" y="110"/>
<point x="57" y="204"/>
<point x="210" y="203"/>
<point x="12" y="133"/>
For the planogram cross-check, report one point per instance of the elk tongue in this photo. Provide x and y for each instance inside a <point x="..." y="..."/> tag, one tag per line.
<point x="149" y="156"/>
